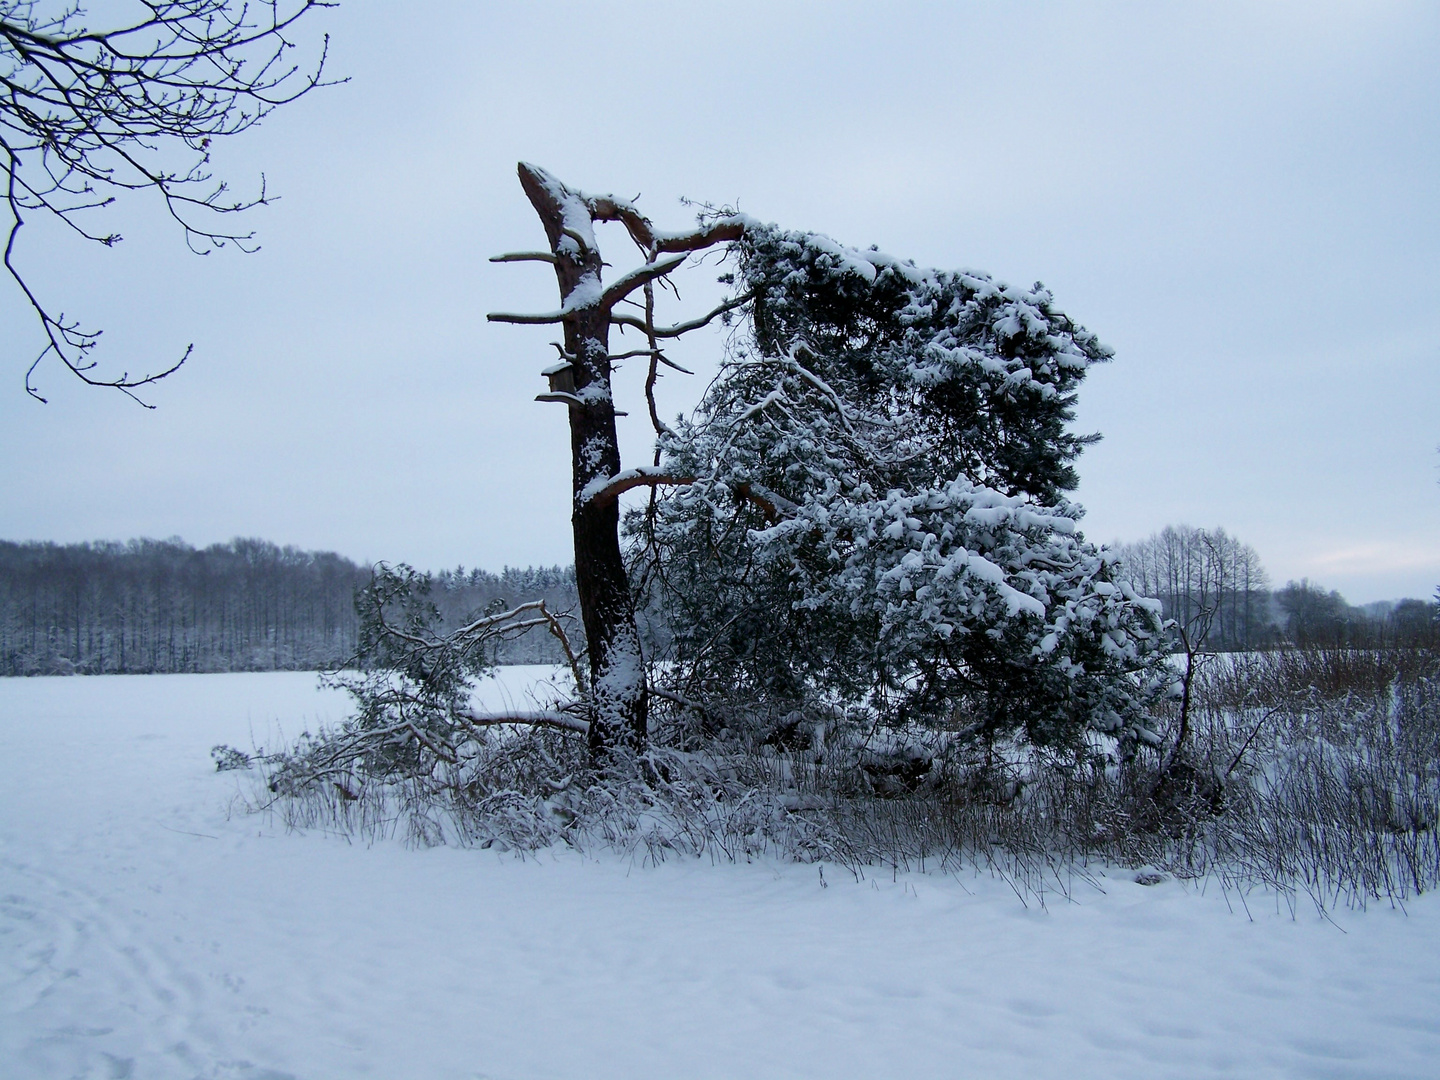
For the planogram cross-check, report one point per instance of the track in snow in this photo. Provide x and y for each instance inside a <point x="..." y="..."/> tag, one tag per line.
<point x="147" y="932"/>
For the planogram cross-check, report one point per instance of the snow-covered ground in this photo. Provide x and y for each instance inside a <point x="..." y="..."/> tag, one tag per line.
<point x="146" y="931"/>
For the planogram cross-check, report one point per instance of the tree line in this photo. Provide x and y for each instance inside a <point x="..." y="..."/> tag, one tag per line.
<point x="1214" y="586"/>
<point x="251" y="605"/>
<point x="247" y="605"/>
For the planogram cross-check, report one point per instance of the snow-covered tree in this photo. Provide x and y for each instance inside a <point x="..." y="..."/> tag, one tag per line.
<point x="869" y="506"/>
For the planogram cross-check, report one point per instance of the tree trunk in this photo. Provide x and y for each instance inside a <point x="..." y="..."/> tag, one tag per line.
<point x="617" y="671"/>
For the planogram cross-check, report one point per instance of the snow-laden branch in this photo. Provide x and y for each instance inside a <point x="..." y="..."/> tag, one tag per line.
<point x="504" y="617"/>
<point x="624" y="286"/>
<point x="608" y="488"/>
<point x="588" y="294"/>
<point x="609" y="208"/>
<point x="527" y="319"/>
<point x="773" y="505"/>
<point x="848" y="415"/>
<point x="719" y="231"/>
<point x="682" y="328"/>
<point x="531" y="718"/>
<point x="655" y="354"/>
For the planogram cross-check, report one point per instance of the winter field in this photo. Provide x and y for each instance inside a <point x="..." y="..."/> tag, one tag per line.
<point x="150" y="929"/>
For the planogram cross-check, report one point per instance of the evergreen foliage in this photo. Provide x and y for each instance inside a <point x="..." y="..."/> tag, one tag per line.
<point x="985" y="373"/>
<point x="876" y="519"/>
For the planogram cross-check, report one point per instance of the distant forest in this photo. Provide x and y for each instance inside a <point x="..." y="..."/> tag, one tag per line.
<point x="249" y="605"/>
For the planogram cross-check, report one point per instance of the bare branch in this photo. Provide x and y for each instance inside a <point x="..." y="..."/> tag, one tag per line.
<point x="643" y="275"/>
<point x="570" y="655"/>
<point x="87" y="113"/>
<point x="652" y="376"/>
<point x="685" y="327"/>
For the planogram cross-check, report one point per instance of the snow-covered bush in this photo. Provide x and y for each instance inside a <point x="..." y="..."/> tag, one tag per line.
<point x="227" y="758"/>
<point x="1305" y="791"/>
<point x="874" y="514"/>
<point x="411" y="685"/>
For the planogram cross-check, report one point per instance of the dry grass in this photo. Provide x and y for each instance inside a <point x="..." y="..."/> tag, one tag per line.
<point x="1310" y="773"/>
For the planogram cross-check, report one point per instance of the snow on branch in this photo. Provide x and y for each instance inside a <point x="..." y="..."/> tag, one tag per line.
<point x="719" y="231"/>
<point x="722" y="230"/>
<point x="848" y="416"/>
<point x="524" y="256"/>
<point x="624" y="286"/>
<point x="609" y="208"/>
<point x="529" y="718"/>
<point x="608" y="488"/>
<point x="541" y="319"/>
<point x="655" y="354"/>
<point x="682" y="328"/>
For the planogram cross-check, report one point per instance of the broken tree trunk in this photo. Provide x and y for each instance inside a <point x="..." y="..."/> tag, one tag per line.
<point x="617" y="692"/>
<point x="617" y="671"/>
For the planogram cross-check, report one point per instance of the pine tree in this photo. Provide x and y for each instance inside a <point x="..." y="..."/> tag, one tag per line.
<point x="875" y="514"/>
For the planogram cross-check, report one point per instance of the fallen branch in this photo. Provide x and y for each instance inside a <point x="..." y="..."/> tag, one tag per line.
<point x="537" y="718"/>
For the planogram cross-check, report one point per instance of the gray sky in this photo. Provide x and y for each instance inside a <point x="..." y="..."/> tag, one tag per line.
<point x="1240" y="199"/>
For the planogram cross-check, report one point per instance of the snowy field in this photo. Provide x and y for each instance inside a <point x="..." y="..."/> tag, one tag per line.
<point x="147" y="931"/>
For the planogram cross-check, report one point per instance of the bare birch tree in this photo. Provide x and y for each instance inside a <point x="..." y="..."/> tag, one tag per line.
<point x="1214" y="590"/>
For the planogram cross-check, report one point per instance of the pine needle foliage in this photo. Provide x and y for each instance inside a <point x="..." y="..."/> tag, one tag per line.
<point x="877" y="519"/>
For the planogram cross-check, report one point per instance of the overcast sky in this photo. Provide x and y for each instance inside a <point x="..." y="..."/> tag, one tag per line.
<point x="1242" y="200"/>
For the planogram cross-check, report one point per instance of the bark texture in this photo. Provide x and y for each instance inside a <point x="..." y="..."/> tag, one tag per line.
<point x="617" y="671"/>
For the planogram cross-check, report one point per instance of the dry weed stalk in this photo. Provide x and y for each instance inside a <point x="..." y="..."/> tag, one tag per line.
<point x="1314" y="776"/>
